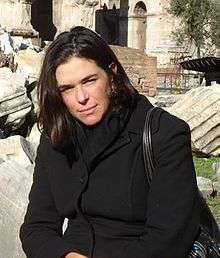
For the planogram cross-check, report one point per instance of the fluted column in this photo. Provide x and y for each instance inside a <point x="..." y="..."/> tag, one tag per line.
<point x="69" y="13"/>
<point x="57" y="14"/>
<point x="15" y="15"/>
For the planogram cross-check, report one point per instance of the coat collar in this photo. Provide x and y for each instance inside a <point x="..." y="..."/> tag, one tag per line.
<point x="134" y="125"/>
<point x="136" y="122"/>
<point x="95" y="143"/>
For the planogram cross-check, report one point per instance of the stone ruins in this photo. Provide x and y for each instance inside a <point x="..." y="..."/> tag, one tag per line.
<point x="144" y="25"/>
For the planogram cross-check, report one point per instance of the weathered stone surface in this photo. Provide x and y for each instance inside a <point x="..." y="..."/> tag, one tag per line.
<point x="216" y="166"/>
<point x="200" y="107"/>
<point x="2" y="30"/>
<point x="15" y="87"/>
<point x="152" y="100"/>
<point x="71" y="13"/>
<point x="11" y="44"/>
<point x="15" y="183"/>
<point x="7" y="61"/>
<point x="19" y="43"/>
<point x="165" y="101"/>
<point x="34" y="98"/>
<point x="17" y="148"/>
<point x="16" y="120"/>
<point x="34" y="139"/>
<point x="205" y="186"/>
<point x="216" y="186"/>
<point x="17" y="156"/>
<point x="6" y="43"/>
<point x="15" y="14"/>
<point x="13" y="98"/>
<point x="29" y="62"/>
<point x="140" y="68"/>
<point x="87" y="12"/>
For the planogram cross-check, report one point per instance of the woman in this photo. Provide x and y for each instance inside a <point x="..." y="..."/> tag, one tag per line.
<point x="89" y="166"/>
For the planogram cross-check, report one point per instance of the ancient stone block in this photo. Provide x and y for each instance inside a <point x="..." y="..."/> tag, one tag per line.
<point x="200" y="107"/>
<point x="29" y="62"/>
<point x="14" y="102"/>
<point x="205" y="186"/>
<point x="15" y="183"/>
<point x="17" y="148"/>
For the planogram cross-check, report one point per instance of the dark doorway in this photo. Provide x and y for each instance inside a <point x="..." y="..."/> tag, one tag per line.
<point x="107" y="24"/>
<point x="42" y="18"/>
<point x="112" y="23"/>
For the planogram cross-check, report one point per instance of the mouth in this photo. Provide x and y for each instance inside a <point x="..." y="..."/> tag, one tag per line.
<point x="88" y="111"/>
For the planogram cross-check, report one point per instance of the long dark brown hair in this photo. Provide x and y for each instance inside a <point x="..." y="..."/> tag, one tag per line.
<point x="54" y="118"/>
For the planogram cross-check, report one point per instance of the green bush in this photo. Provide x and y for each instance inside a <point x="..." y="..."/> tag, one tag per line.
<point x="203" y="167"/>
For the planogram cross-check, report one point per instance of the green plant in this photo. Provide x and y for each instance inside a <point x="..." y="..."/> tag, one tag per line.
<point x="198" y="23"/>
<point x="214" y="205"/>
<point x="203" y="166"/>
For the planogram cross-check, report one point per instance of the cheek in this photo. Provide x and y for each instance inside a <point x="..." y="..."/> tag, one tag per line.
<point x="104" y="93"/>
<point x="104" y="98"/>
<point x="69" y="103"/>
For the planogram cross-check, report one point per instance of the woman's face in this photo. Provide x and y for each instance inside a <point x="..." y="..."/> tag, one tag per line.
<point x="85" y="88"/>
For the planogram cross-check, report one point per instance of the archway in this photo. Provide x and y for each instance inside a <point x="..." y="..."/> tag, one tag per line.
<point x="42" y="18"/>
<point x="138" y="25"/>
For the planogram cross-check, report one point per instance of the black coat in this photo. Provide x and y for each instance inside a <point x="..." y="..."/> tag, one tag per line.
<point x="111" y="210"/>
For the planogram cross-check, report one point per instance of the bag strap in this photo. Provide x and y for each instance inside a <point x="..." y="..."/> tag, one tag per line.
<point x="149" y="161"/>
<point x="208" y="222"/>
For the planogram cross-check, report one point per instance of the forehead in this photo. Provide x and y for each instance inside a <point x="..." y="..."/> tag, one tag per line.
<point x="75" y="69"/>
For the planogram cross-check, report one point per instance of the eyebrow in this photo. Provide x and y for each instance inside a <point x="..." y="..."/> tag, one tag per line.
<point x="60" y="86"/>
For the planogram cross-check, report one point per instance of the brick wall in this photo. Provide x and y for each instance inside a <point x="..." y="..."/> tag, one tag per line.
<point x="141" y="69"/>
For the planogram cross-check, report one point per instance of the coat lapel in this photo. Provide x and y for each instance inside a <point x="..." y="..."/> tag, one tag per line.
<point x="121" y="141"/>
<point x="105" y="146"/>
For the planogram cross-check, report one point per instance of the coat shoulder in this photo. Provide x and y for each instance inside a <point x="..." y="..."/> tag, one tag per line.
<point x="165" y="122"/>
<point x="162" y="121"/>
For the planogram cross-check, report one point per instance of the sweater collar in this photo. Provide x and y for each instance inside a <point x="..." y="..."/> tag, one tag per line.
<point x="96" y="142"/>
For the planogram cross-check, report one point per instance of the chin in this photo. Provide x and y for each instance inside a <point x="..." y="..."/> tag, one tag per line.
<point x="91" y="121"/>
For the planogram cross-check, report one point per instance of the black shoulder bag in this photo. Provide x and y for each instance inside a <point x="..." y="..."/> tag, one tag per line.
<point x="207" y="242"/>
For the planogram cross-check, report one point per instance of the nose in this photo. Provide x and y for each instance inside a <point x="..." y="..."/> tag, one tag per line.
<point x="81" y="95"/>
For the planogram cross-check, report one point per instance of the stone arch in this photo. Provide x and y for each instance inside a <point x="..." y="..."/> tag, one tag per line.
<point x="138" y="25"/>
<point x="140" y="8"/>
<point x="133" y="4"/>
<point x="42" y="18"/>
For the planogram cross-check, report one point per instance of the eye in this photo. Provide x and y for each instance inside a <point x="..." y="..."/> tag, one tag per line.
<point x="90" y="81"/>
<point x="66" y="89"/>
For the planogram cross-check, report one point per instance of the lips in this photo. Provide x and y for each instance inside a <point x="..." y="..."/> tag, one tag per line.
<point x="87" y="111"/>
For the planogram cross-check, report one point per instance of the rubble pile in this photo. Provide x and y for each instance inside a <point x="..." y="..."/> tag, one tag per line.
<point x="20" y="63"/>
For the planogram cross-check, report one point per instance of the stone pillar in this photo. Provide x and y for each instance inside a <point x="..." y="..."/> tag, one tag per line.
<point x="137" y="25"/>
<point x="57" y="14"/>
<point x="15" y="17"/>
<point x="137" y="32"/>
<point x="69" y="13"/>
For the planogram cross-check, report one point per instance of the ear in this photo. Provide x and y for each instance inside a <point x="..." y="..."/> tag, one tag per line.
<point x="113" y="67"/>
